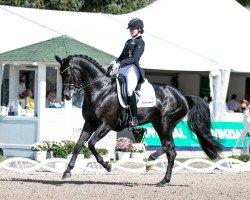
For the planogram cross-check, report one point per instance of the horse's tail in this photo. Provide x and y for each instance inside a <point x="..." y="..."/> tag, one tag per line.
<point x="199" y="122"/>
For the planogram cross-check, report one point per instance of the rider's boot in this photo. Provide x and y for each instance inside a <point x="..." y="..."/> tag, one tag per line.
<point x="133" y="110"/>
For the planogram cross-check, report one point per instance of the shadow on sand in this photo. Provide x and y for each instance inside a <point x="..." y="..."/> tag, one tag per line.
<point x="62" y="182"/>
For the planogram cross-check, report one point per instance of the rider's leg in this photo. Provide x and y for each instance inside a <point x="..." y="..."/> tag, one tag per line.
<point x="133" y="109"/>
<point x="131" y="74"/>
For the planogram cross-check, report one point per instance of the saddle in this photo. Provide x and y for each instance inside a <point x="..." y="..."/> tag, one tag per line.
<point x="145" y="93"/>
<point x="145" y="97"/>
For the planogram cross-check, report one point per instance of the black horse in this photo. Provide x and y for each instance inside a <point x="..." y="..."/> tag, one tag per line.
<point x="101" y="111"/>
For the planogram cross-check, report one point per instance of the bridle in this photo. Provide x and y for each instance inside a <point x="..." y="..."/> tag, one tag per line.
<point x="73" y="87"/>
<point x="79" y="86"/>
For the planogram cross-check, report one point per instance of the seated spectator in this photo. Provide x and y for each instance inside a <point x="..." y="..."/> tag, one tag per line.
<point x="29" y="102"/>
<point x="78" y="99"/>
<point x="51" y="101"/>
<point x="233" y="105"/>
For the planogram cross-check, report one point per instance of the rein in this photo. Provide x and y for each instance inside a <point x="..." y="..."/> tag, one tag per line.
<point x="78" y="86"/>
<point x="82" y="86"/>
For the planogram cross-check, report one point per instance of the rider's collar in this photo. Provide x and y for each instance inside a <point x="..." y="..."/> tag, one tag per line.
<point x="138" y="35"/>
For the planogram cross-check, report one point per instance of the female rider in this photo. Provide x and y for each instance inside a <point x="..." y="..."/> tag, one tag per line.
<point x="128" y="64"/>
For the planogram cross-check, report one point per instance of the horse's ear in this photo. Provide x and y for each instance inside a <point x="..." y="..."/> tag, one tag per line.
<point x="58" y="59"/>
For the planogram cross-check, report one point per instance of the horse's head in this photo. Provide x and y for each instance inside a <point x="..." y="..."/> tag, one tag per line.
<point x="71" y="78"/>
<point x="79" y="72"/>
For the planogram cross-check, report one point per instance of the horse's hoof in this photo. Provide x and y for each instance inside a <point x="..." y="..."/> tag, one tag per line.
<point x="109" y="167"/>
<point x="162" y="183"/>
<point x="66" y="175"/>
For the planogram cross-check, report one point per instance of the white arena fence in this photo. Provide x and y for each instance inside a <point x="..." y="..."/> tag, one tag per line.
<point x="90" y="166"/>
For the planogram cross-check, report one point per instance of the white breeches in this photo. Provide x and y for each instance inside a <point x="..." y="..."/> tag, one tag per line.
<point x="246" y="122"/>
<point x="131" y="74"/>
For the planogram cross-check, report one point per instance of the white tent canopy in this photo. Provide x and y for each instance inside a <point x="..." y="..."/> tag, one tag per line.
<point x="17" y="31"/>
<point x="193" y="35"/>
<point x="185" y="35"/>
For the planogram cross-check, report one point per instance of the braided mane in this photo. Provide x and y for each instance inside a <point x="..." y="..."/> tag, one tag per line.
<point x="91" y="60"/>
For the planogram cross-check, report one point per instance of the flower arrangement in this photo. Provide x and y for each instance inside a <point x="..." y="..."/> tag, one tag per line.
<point x="61" y="149"/>
<point x="123" y="144"/>
<point x="49" y="144"/>
<point x="58" y="149"/>
<point x="40" y="146"/>
<point x="69" y="145"/>
<point x="139" y="147"/>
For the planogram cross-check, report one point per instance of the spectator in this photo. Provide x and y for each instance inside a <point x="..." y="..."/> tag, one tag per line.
<point x="22" y="86"/>
<point x="233" y="105"/>
<point x="246" y="123"/>
<point x="51" y="101"/>
<point x="78" y="99"/>
<point x="29" y="102"/>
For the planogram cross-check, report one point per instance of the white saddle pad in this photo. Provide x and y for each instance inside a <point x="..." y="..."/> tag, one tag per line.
<point x="146" y="95"/>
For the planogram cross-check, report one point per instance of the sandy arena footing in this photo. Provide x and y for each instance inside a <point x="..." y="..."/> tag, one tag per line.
<point x="217" y="186"/>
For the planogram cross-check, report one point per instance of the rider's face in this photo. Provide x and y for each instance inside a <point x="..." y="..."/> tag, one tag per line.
<point x="134" y="32"/>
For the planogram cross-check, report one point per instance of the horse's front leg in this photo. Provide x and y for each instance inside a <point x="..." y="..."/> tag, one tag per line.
<point x="83" y="138"/>
<point x="99" y="134"/>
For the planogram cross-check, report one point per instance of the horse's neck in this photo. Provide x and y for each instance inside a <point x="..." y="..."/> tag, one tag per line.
<point x="95" y="78"/>
<point x="90" y="72"/>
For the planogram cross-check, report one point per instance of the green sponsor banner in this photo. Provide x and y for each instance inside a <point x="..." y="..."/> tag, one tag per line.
<point x="226" y="132"/>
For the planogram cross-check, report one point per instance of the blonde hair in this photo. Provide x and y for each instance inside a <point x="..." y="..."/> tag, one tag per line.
<point x="28" y="93"/>
<point x="28" y="99"/>
<point x="244" y="101"/>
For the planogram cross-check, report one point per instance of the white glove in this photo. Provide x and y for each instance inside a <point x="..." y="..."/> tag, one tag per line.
<point x="115" y="69"/>
<point x="113" y="62"/>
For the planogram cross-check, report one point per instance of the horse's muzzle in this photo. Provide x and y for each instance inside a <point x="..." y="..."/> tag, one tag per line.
<point x="68" y="94"/>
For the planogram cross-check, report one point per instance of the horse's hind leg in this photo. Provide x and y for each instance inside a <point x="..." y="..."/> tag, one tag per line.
<point x="171" y="154"/>
<point x="138" y="133"/>
<point x="168" y="147"/>
<point x="83" y="138"/>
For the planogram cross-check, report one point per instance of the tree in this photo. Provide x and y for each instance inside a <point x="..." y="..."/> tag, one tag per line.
<point x="244" y="2"/>
<point x="105" y="6"/>
<point x="114" y="6"/>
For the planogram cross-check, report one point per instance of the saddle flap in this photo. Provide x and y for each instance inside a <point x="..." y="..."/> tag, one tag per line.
<point x="123" y="89"/>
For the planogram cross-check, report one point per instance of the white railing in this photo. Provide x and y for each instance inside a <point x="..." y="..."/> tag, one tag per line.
<point x="90" y="166"/>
